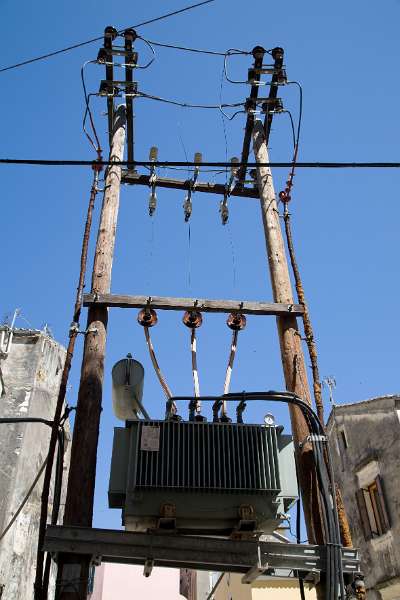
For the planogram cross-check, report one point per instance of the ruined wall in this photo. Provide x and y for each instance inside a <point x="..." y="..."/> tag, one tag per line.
<point x="31" y="374"/>
<point x="372" y="431"/>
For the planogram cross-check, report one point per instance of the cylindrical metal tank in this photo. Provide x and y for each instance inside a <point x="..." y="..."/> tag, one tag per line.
<point x="127" y="388"/>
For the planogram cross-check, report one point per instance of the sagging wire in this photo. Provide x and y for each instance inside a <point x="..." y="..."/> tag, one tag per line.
<point x="96" y="146"/>
<point x="193" y="320"/>
<point x="236" y="322"/>
<point x="40" y="591"/>
<point x="233" y="52"/>
<point x="147" y="318"/>
<point x="188" y="104"/>
<point x="195" y="50"/>
<point x="152" y="50"/>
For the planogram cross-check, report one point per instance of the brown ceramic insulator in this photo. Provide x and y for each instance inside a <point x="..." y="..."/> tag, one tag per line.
<point x="147" y="317"/>
<point x="236" y="321"/>
<point x="192" y="319"/>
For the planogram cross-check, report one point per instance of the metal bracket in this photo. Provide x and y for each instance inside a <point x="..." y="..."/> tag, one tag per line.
<point x="258" y="569"/>
<point x="313" y="438"/>
<point x="148" y="567"/>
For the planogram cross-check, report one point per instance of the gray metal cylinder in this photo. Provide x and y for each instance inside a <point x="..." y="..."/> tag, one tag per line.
<point x="127" y="388"/>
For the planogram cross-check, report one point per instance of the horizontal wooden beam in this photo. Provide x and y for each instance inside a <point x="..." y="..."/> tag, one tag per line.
<point x="201" y="304"/>
<point x="178" y="184"/>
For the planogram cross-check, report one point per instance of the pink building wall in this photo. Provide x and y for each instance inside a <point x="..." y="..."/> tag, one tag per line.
<point x="126" y="582"/>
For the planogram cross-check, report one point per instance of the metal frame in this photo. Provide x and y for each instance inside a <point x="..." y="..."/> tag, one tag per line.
<point x="192" y="552"/>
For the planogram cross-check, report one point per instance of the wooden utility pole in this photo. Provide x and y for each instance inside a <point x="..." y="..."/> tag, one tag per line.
<point x="289" y="338"/>
<point x="73" y="575"/>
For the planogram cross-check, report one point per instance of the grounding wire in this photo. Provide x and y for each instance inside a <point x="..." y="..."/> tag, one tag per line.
<point x="96" y="39"/>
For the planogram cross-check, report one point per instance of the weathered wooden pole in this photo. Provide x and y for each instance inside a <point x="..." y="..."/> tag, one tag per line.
<point x="73" y="575"/>
<point x="294" y="367"/>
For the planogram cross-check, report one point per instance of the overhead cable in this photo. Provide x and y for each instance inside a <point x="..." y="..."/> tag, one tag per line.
<point x="196" y="50"/>
<point x="96" y="39"/>
<point x="170" y="164"/>
<point x="187" y="104"/>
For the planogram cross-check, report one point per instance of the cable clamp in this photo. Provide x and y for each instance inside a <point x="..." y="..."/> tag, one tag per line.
<point x="313" y="438"/>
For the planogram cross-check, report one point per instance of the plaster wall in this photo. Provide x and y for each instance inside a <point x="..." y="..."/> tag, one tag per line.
<point x="263" y="588"/>
<point x="372" y="431"/>
<point x="31" y="375"/>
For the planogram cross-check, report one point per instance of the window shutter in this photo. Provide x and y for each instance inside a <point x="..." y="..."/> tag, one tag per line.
<point x="363" y="514"/>
<point x="383" y="513"/>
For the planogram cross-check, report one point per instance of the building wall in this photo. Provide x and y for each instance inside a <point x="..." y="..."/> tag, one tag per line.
<point x="372" y="432"/>
<point x="263" y="588"/>
<point x="126" y="582"/>
<point x="31" y="376"/>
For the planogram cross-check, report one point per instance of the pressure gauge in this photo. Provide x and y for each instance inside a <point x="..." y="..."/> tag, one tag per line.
<point x="269" y="419"/>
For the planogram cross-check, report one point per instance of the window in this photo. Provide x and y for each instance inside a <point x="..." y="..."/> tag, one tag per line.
<point x="343" y="439"/>
<point x="372" y="507"/>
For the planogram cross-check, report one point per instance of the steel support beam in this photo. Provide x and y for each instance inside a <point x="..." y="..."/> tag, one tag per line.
<point x="190" y="552"/>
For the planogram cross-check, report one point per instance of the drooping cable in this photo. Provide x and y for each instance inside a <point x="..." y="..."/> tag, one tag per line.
<point x="24" y="501"/>
<point x="73" y="333"/>
<point x="195" y="50"/>
<point x="156" y="366"/>
<point x="96" y="143"/>
<point x="231" y="360"/>
<point x="96" y="39"/>
<point x="188" y="104"/>
<point x="236" y="322"/>
<point x="193" y="320"/>
<point x="193" y="350"/>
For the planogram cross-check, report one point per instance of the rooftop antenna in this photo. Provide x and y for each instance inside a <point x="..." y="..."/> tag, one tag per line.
<point x="330" y="383"/>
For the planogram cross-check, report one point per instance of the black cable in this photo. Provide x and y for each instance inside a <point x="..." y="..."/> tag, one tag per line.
<point x="26" y="420"/>
<point x="233" y="52"/>
<point x="292" y="126"/>
<point x="169" y="163"/>
<point x="186" y="104"/>
<point x="96" y="39"/>
<point x="149" y="44"/>
<point x="87" y="96"/>
<point x="196" y="50"/>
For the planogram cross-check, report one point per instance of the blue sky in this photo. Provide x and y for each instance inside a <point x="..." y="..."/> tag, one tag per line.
<point x="345" y="222"/>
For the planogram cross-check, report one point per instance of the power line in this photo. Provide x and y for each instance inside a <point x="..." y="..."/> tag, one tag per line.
<point x="169" y="163"/>
<point x="197" y="50"/>
<point x="188" y="105"/>
<point x="96" y="39"/>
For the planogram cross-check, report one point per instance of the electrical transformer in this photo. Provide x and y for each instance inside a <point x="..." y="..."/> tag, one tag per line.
<point x="199" y="477"/>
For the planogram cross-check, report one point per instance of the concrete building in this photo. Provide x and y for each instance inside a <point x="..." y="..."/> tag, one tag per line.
<point x="365" y="444"/>
<point x="31" y="364"/>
